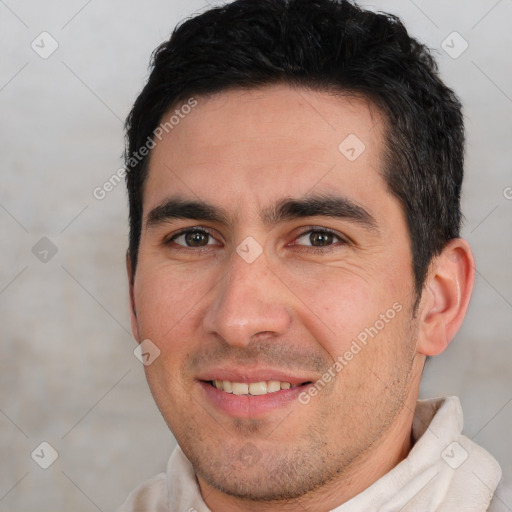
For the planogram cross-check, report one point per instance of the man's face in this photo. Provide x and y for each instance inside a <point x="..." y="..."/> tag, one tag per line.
<point x="268" y="253"/>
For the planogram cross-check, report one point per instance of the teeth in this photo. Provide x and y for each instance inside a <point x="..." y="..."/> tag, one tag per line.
<point x="258" y="388"/>
<point x="273" y="386"/>
<point x="254" y="388"/>
<point x="240" y="388"/>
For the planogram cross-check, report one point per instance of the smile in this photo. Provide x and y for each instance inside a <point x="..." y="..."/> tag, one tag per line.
<point x="252" y="388"/>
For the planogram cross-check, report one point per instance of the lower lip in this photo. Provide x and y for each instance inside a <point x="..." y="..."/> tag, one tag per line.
<point x="248" y="406"/>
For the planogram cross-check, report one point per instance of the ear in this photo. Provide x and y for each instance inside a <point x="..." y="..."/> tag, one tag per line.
<point x="133" y="310"/>
<point x="445" y="297"/>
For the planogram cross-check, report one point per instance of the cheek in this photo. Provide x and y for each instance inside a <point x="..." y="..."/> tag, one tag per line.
<point x="167" y="302"/>
<point x="338" y="307"/>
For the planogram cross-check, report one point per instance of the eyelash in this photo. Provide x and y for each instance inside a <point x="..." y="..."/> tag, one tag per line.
<point x="342" y="240"/>
<point x="185" y="231"/>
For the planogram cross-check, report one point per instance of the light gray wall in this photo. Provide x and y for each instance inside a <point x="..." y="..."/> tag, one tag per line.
<point x="67" y="372"/>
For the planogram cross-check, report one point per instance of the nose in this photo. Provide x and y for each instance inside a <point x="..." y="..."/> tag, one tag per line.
<point x="249" y="300"/>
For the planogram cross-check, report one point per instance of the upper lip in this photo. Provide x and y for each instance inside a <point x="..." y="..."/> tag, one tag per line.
<point x="248" y="375"/>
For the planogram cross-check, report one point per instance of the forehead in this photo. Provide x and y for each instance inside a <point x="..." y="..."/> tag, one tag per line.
<point x="248" y="147"/>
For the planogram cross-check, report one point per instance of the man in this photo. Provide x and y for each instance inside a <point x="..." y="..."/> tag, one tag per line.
<point x="294" y="175"/>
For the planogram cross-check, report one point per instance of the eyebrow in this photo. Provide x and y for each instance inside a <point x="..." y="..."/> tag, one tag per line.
<point x="175" y="208"/>
<point x="326" y="205"/>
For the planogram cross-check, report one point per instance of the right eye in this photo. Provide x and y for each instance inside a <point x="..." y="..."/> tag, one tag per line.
<point x="194" y="237"/>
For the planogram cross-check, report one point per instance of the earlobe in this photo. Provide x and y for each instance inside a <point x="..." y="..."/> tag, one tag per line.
<point x="445" y="297"/>
<point x="133" y="310"/>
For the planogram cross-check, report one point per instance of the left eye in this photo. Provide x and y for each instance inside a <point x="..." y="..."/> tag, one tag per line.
<point x="318" y="238"/>
<point x="193" y="238"/>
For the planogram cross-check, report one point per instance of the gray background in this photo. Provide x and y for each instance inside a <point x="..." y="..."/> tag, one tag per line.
<point x="67" y="371"/>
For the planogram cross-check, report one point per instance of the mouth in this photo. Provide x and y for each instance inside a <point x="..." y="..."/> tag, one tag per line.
<point x="260" y="398"/>
<point x="259" y="388"/>
<point x="249" y="392"/>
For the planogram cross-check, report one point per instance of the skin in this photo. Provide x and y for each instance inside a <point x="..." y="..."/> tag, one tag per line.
<point x="297" y="307"/>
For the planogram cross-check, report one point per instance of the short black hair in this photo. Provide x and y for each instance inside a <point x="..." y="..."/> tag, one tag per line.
<point x="324" y="45"/>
